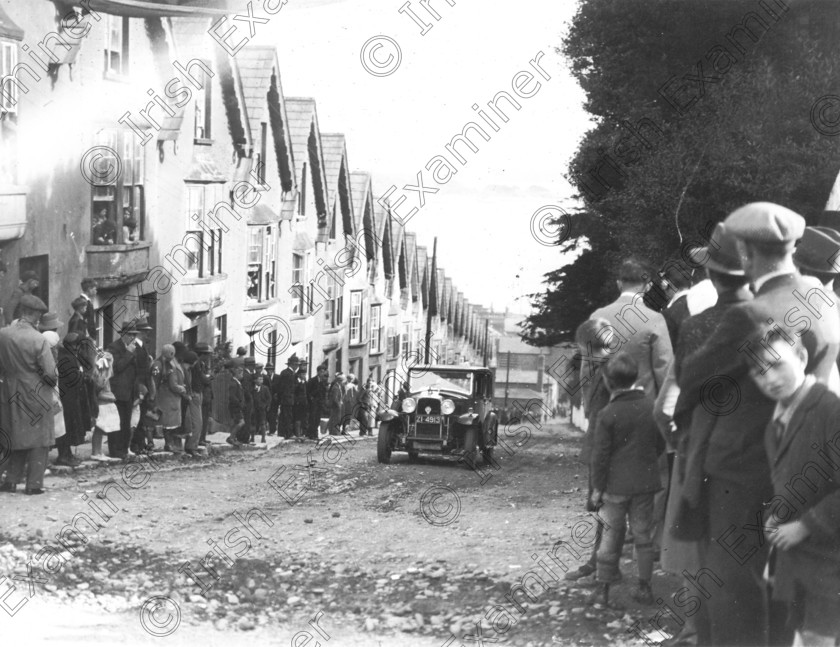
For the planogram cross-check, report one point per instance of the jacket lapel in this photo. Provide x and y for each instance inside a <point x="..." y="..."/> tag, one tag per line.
<point x="797" y="421"/>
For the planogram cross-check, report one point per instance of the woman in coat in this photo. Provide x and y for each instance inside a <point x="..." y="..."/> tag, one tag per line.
<point x="171" y="390"/>
<point x="74" y="400"/>
<point x="335" y="399"/>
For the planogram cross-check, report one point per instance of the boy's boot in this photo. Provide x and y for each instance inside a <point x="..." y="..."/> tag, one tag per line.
<point x="642" y="593"/>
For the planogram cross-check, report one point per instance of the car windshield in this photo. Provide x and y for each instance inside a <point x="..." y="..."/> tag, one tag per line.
<point x="438" y="379"/>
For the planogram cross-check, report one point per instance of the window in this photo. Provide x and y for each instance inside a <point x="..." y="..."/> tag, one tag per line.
<point x="334" y="314"/>
<point x="356" y="317"/>
<point x="9" y="89"/>
<point x="203" y="102"/>
<point x="204" y="244"/>
<point x="117" y="205"/>
<point x="393" y="338"/>
<point x="375" y="329"/>
<point x="261" y="284"/>
<point x="116" y="45"/>
<point x="406" y="339"/>
<point x="219" y="331"/>
<point x="297" y="285"/>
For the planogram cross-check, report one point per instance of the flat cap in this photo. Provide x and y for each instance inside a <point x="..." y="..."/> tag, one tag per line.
<point x="29" y="276"/>
<point x="31" y="302"/>
<point x="202" y="348"/>
<point x="765" y="222"/>
<point x="818" y="251"/>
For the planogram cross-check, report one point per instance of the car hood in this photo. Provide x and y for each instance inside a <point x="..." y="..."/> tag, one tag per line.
<point x="440" y="394"/>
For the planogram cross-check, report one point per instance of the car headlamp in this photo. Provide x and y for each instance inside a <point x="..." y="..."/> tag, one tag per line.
<point x="447" y="407"/>
<point x="409" y="405"/>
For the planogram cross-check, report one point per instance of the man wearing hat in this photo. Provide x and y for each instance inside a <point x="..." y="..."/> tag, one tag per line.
<point x="722" y="266"/>
<point x="203" y="383"/>
<point x="50" y="321"/>
<point x="142" y="438"/>
<point x="643" y="332"/>
<point x="286" y="383"/>
<point x="817" y="255"/>
<point x="124" y="387"/>
<point x="29" y="375"/>
<point x="716" y="378"/>
<point x="335" y="399"/>
<point x="28" y="284"/>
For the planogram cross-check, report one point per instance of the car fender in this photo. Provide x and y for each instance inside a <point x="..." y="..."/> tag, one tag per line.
<point x="387" y="415"/>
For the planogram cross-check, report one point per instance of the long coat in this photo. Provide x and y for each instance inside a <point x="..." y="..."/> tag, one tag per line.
<point x="807" y="489"/>
<point x="74" y="396"/>
<point x="123" y="382"/>
<point x="286" y="383"/>
<point x="169" y="396"/>
<point x="29" y="377"/>
<point x="335" y="398"/>
<point x="644" y="334"/>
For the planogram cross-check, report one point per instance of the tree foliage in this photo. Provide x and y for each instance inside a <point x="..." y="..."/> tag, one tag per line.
<point x="742" y="134"/>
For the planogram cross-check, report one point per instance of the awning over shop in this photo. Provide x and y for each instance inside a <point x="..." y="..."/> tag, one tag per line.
<point x="158" y="8"/>
<point x="8" y="29"/>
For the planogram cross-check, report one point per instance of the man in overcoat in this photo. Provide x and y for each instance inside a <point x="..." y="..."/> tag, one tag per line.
<point x="26" y="417"/>
<point x="124" y="387"/>
<point x="286" y="385"/>
<point x="737" y="474"/>
<point x="335" y="398"/>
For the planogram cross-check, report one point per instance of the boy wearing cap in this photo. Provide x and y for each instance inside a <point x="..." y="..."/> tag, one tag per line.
<point x="28" y="284"/>
<point x="236" y="402"/>
<point x="735" y="471"/>
<point x="803" y="523"/>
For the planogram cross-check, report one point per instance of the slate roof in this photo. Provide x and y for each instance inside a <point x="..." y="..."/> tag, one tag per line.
<point x="302" y="116"/>
<point x="335" y="155"/>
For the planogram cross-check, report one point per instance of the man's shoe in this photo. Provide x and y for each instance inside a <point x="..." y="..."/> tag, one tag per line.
<point x="34" y="490"/>
<point x="584" y="570"/>
<point x="8" y="487"/>
<point x="64" y="461"/>
<point x="642" y="593"/>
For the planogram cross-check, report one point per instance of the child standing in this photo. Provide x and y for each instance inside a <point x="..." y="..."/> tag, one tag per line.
<point x="262" y="400"/>
<point x="803" y="525"/>
<point x="625" y="475"/>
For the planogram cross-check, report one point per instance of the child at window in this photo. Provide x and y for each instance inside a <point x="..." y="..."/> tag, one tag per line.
<point x="130" y="233"/>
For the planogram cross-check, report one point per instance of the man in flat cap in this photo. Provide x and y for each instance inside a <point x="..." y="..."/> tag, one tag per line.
<point x="29" y="375"/>
<point x="28" y="285"/>
<point x="716" y="377"/>
<point x="817" y="255"/>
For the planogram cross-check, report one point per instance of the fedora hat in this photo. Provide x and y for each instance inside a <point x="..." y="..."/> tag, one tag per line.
<point x="202" y="348"/>
<point x="817" y="251"/>
<point x="128" y="328"/>
<point x="293" y="359"/>
<point x="142" y="323"/>
<point x="50" y="321"/>
<point x="721" y="254"/>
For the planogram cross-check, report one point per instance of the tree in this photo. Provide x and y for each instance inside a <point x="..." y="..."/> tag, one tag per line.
<point x="700" y="150"/>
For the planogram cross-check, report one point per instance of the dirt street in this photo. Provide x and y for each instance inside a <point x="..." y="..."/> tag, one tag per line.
<point x="313" y="546"/>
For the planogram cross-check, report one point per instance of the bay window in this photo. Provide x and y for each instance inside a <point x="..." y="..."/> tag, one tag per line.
<point x="406" y="339"/>
<point x="116" y="45"/>
<point x="204" y="244"/>
<point x="117" y="200"/>
<point x="356" y="317"/>
<point x="376" y="329"/>
<point x="262" y="262"/>
<point x="334" y="312"/>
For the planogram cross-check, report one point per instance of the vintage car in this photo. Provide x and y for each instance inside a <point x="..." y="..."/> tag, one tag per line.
<point x="444" y="410"/>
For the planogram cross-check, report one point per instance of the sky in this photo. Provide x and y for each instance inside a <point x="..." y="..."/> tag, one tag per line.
<point x="395" y="124"/>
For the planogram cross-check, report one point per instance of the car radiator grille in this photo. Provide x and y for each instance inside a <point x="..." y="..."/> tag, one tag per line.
<point x="427" y="431"/>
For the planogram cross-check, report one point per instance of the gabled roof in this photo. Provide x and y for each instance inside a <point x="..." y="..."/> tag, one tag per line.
<point x="306" y="149"/>
<point x="422" y="278"/>
<point x="383" y="226"/>
<point x="441" y="284"/>
<point x="8" y="28"/>
<point x="259" y="73"/>
<point x="411" y="263"/>
<point x="398" y="247"/>
<point x="362" y="192"/>
<point x="338" y="178"/>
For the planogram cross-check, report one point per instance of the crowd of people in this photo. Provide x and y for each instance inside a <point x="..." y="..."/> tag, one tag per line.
<point x="55" y="391"/>
<point x="711" y="401"/>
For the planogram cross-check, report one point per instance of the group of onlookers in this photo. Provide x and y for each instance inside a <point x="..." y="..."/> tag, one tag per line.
<point x="712" y="429"/>
<point x="55" y="390"/>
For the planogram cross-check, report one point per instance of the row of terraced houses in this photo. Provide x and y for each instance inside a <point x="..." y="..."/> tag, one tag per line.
<point x="237" y="219"/>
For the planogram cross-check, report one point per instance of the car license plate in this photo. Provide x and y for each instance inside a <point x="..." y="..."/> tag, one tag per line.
<point x="434" y="420"/>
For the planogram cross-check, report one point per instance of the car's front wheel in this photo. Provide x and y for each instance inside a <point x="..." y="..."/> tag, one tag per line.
<point x="383" y="444"/>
